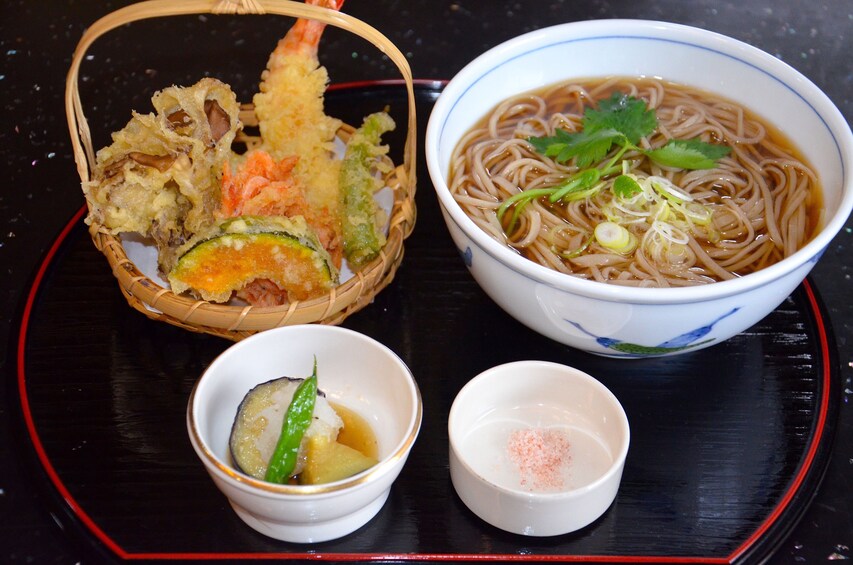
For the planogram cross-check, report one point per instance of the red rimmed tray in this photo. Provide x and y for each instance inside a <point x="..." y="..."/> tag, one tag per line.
<point x="728" y="443"/>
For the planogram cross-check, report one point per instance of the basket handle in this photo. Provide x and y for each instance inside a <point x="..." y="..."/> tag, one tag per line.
<point x="84" y="155"/>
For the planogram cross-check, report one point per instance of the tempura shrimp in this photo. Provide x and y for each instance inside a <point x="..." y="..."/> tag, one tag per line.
<point x="291" y="115"/>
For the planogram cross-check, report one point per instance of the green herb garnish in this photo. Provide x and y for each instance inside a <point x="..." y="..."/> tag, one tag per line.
<point x="624" y="120"/>
<point x="296" y="421"/>
<point x="588" y="147"/>
<point x="625" y="186"/>
<point x="688" y="154"/>
<point x="620" y="120"/>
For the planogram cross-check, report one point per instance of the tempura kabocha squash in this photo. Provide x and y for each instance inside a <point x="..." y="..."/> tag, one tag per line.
<point x="238" y="251"/>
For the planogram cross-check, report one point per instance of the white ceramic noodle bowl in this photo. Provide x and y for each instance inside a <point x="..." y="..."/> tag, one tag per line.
<point x="354" y="371"/>
<point x="631" y="322"/>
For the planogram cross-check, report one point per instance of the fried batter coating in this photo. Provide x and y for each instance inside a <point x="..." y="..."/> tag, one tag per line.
<point x="160" y="176"/>
<point x="263" y="187"/>
<point x="291" y="113"/>
<point x="265" y="226"/>
<point x="238" y="252"/>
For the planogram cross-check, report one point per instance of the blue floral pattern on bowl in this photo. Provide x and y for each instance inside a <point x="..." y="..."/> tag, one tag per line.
<point x="682" y="342"/>
<point x="467" y="256"/>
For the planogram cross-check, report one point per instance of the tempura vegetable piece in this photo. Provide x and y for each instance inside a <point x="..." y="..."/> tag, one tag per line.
<point x="261" y="186"/>
<point x="257" y="426"/>
<point x="160" y="175"/>
<point x="238" y="251"/>
<point x="290" y="111"/>
<point x="206" y="116"/>
<point x="136" y="185"/>
<point x="363" y="223"/>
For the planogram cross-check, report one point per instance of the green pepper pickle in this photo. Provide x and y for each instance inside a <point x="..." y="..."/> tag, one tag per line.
<point x="296" y="422"/>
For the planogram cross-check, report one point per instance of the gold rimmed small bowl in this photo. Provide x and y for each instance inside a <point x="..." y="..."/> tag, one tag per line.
<point x="355" y="372"/>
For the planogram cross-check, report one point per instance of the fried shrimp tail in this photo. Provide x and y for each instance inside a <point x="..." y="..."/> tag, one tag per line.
<point x="304" y="37"/>
<point x="270" y="222"/>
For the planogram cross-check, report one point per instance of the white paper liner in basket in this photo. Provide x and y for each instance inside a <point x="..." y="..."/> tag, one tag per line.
<point x="152" y="297"/>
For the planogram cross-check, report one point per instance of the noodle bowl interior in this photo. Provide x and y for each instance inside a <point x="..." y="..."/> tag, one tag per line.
<point x="730" y="197"/>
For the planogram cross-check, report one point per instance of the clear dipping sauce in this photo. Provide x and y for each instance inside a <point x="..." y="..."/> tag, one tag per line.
<point x="535" y="448"/>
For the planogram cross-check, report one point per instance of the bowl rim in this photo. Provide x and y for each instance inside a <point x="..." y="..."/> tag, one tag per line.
<point x="250" y="484"/>
<point x="563" y="370"/>
<point x="761" y="61"/>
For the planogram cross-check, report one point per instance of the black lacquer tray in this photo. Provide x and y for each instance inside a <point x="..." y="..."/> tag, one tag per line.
<point x="728" y="443"/>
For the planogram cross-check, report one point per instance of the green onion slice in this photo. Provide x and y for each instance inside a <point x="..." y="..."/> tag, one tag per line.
<point x="665" y="187"/>
<point x="615" y="237"/>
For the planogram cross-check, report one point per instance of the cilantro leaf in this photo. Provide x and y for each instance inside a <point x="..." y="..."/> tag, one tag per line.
<point x="629" y="116"/>
<point x="550" y="146"/>
<point x="587" y="146"/>
<point x="591" y="146"/>
<point x="625" y="187"/>
<point x="688" y="154"/>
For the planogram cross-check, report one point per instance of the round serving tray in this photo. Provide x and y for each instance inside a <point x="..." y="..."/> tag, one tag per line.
<point x="729" y="443"/>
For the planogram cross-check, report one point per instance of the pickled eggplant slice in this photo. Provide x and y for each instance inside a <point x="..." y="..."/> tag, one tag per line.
<point x="258" y="424"/>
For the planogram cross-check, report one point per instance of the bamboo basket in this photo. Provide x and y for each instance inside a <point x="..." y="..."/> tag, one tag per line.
<point x="237" y="322"/>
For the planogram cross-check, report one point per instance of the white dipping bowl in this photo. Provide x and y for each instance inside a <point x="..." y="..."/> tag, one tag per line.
<point x="354" y="371"/>
<point x="537" y="395"/>
<point x="637" y="322"/>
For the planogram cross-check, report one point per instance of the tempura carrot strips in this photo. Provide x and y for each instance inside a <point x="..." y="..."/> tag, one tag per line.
<point x="262" y="186"/>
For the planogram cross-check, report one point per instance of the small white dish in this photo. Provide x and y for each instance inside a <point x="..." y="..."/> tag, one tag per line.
<point x="537" y="448"/>
<point x="355" y="372"/>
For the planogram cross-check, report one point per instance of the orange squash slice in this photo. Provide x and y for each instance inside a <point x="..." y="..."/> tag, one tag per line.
<point x="241" y="250"/>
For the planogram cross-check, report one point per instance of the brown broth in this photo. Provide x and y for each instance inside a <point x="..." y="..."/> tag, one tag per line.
<point x="573" y="97"/>
<point x="356" y="432"/>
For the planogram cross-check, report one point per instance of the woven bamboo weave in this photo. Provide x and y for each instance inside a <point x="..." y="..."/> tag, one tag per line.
<point x="237" y="322"/>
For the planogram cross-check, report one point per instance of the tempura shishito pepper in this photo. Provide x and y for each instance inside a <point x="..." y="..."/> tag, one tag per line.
<point x="362" y="231"/>
<point x="296" y="422"/>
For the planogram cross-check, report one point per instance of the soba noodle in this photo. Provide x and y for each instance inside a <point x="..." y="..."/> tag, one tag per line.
<point x="764" y="202"/>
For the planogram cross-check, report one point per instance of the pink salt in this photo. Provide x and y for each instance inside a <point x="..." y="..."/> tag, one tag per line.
<point x="541" y="455"/>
